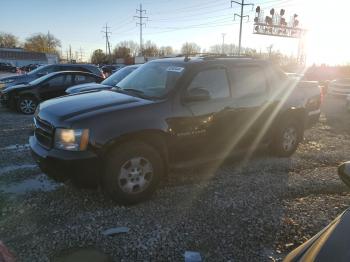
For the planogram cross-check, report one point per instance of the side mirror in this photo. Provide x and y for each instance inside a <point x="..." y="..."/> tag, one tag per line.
<point x="344" y="173"/>
<point x="197" y="94"/>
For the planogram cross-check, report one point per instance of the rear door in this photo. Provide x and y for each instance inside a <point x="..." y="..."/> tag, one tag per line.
<point x="251" y="109"/>
<point x="55" y="86"/>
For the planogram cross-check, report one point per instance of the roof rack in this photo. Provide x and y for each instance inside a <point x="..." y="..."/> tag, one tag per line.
<point x="212" y="56"/>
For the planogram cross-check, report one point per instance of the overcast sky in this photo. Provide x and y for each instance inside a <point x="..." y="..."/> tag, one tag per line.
<point x="173" y="22"/>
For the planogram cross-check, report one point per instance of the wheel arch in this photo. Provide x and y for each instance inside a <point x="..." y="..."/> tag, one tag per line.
<point x="153" y="138"/>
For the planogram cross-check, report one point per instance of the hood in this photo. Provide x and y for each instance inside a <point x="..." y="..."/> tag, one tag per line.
<point x="14" y="80"/>
<point x="86" y="87"/>
<point x="16" y="87"/>
<point x="63" y="108"/>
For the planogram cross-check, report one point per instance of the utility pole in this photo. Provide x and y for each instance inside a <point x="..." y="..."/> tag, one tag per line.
<point x="70" y="53"/>
<point x="223" y="42"/>
<point x="107" y="33"/>
<point x="81" y="52"/>
<point x="140" y="16"/>
<point x="242" y="4"/>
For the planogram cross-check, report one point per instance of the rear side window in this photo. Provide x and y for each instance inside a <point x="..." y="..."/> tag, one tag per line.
<point x="248" y="81"/>
<point x="81" y="79"/>
<point x="214" y="81"/>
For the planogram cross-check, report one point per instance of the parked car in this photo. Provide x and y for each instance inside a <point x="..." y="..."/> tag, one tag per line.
<point x="26" y="97"/>
<point x="331" y="243"/>
<point x="108" y="83"/>
<point x="30" y="67"/>
<point x="166" y="112"/>
<point x="44" y="70"/>
<point x="7" y="67"/>
<point x="340" y="87"/>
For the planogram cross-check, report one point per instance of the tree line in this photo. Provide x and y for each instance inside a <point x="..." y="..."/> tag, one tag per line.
<point x="39" y="42"/>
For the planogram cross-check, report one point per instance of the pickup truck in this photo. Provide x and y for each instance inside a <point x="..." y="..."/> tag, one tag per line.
<point x="171" y="111"/>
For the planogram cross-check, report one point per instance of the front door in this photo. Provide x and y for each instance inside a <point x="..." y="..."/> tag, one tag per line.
<point x="55" y="86"/>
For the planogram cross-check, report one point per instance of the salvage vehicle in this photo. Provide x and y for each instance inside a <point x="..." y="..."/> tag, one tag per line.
<point x="26" y="97"/>
<point x="108" y="83"/>
<point x="170" y="111"/>
<point x="7" y="67"/>
<point x="339" y="87"/>
<point x="6" y="82"/>
<point x="332" y="243"/>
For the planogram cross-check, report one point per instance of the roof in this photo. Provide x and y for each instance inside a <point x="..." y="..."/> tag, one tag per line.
<point x="21" y="55"/>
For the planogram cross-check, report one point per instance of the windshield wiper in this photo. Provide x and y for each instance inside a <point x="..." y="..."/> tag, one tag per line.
<point x="133" y="90"/>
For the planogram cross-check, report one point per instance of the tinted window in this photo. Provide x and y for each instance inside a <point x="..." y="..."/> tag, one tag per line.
<point x="80" y="79"/>
<point x="61" y="80"/>
<point x="114" y="79"/>
<point x="214" y="81"/>
<point x="248" y="81"/>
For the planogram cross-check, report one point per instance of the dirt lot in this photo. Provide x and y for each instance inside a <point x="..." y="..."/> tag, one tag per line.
<point x="254" y="212"/>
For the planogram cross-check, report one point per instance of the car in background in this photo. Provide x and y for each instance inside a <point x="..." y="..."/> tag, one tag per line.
<point x="108" y="83"/>
<point x="7" y="67"/>
<point x="331" y="243"/>
<point x="6" y="82"/>
<point x="110" y="69"/>
<point x="339" y="87"/>
<point x="26" y="97"/>
<point x="30" y="67"/>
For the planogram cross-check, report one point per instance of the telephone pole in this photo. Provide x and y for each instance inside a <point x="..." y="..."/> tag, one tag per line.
<point x="106" y="35"/>
<point x="241" y="16"/>
<point x="140" y="16"/>
<point x="223" y="42"/>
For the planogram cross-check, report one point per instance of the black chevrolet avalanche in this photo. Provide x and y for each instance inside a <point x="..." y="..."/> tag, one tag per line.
<point x="167" y="112"/>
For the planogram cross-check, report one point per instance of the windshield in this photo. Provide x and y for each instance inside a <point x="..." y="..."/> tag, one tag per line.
<point x="37" y="70"/>
<point x="154" y="79"/>
<point x="114" y="79"/>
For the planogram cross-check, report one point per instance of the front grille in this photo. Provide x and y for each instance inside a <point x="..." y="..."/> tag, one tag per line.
<point x="44" y="132"/>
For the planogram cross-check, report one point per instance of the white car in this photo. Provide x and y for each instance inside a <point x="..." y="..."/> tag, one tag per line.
<point x="339" y="87"/>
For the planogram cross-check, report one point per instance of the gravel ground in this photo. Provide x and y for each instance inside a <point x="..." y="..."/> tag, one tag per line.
<point x="254" y="212"/>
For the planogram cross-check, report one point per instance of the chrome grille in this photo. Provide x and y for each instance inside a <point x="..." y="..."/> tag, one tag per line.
<point x="43" y="132"/>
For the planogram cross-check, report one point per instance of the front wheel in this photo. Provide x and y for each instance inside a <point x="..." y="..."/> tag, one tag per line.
<point x="27" y="105"/>
<point x="286" y="138"/>
<point x="133" y="171"/>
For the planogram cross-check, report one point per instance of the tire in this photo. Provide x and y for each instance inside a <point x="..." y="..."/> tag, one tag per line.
<point x="286" y="138"/>
<point x="133" y="171"/>
<point x="27" y="105"/>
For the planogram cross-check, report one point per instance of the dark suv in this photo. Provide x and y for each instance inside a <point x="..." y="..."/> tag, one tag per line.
<point x="46" y="69"/>
<point x="167" y="112"/>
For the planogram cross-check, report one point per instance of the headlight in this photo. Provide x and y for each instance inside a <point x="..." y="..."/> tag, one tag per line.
<point x="71" y="139"/>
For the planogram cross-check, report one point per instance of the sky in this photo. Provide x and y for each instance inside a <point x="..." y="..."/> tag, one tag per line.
<point x="172" y="22"/>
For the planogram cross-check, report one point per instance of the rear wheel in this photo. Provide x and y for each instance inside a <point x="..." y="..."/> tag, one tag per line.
<point x="133" y="171"/>
<point x="27" y="105"/>
<point x="286" y="138"/>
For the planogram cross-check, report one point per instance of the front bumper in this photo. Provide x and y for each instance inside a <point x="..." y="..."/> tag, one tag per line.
<point x="82" y="167"/>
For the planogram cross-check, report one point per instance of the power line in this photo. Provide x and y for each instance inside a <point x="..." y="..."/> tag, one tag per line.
<point x="242" y="4"/>
<point x="141" y="24"/>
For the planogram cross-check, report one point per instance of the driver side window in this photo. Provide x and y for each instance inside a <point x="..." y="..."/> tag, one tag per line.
<point x="61" y="80"/>
<point x="212" y="80"/>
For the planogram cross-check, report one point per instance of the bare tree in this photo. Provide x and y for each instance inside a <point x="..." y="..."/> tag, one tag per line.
<point x="166" y="50"/>
<point x="131" y="45"/>
<point x="190" y="48"/>
<point x="150" y="49"/>
<point x="8" y="40"/>
<point x="121" y="52"/>
<point x="98" y="57"/>
<point x="42" y="43"/>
